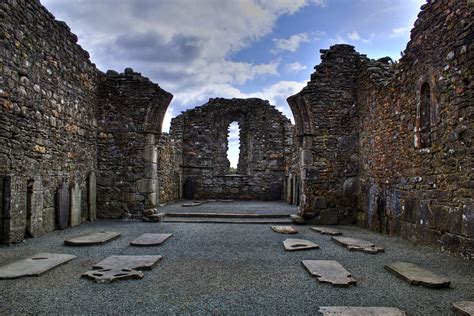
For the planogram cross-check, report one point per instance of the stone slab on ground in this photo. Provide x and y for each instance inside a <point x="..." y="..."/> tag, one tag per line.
<point x="464" y="308"/>
<point x="34" y="266"/>
<point x="358" y="244"/>
<point x="128" y="262"/>
<point x="147" y="240"/>
<point x="329" y="271"/>
<point x="326" y="230"/>
<point x="191" y="204"/>
<point x="284" y="229"/>
<point x="299" y="244"/>
<point x="360" y="311"/>
<point x="91" y="239"/>
<point x="111" y="275"/>
<point x="416" y="275"/>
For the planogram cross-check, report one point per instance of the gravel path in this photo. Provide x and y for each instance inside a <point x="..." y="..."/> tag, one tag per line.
<point x="227" y="269"/>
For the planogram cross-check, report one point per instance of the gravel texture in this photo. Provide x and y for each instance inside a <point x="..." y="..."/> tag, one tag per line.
<point x="227" y="269"/>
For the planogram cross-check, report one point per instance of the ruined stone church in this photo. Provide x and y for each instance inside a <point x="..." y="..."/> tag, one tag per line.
<point x="380" y="144"/>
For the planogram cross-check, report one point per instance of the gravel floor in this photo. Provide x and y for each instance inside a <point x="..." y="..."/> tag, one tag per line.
<point x="227" y="269"/>
<point x="243" y="207"/>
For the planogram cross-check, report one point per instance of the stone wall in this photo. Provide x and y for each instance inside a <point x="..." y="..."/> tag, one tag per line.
<point x="51" y="98"/>
<point x="130" y="115"/>
<point x="393" y="140"/>
<point x="47" y="115"/>
<point x="169" y="171"/>
<point x="203" y="134"/>
<point x="415" y="175"/>
<point x="327" y="137"/>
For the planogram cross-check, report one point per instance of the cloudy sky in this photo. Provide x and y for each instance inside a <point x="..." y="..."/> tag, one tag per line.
<point x="197" y="49"/>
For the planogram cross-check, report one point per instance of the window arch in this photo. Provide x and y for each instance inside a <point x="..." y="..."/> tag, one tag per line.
<point x="424" y="118"/>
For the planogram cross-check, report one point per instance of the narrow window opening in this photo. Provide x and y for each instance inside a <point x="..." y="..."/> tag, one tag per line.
<point x="425" y="116"/>
<point x="233" y="147"/>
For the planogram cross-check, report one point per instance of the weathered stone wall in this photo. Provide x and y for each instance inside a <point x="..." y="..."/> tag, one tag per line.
<point x="169" y="171"/>
<point x="130" y="115"/>
<point x="415" y="175"/>
<point x="393" y="141"/>
<point x="47" y="117"/>
<point x="203" y="134"/>
<point x="327" y="137"/>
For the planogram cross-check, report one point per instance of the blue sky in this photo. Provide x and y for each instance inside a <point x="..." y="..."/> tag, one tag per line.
<point x="198" y="49"/>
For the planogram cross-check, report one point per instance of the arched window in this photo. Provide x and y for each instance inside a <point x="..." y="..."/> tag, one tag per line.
<point x="233" y="147"/>
<point x="424" y="124"/>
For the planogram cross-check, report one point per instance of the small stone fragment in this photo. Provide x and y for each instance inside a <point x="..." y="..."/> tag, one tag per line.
<point x="358" y="244"/>
<point x="111" y="275"/>
<point x="416" y="275"/>
<point x="329" y="271"/>
<point x="360" y="311"/>
<point x="92" y="239"/>
<point x="464" y="308"/>
<point x="326" y="230"/>
<point x="34" y="266"/>
<point x="284" y="229"/>
<point x="150" y="240"/>
<point x="299" y="244"/>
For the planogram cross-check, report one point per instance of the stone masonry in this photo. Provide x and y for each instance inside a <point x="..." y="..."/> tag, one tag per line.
<point x="264" y="147"/>
<point x="386" y="145"/>
<point x="389" y="144"/>
<point x="51" y="100"/>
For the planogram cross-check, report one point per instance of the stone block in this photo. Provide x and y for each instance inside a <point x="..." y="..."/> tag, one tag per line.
<point x="75" y="213"/>
<point x="15" y="209"/>
<point x="35" y="208"/>
<point x="92" y="196"/>
<point x="62" y="206"/>
<point x="147" y="185"/>
<point x="468" y="221"/>
<point x="150" y="154"/>
<point x="319" y="203"/>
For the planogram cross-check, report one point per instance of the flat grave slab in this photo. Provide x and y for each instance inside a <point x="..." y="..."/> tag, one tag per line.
<point x="299" y="244"/>
<point x="326" y="230"/>
<point x="128" y="262"/>
<point x="191" y="204"/>
<point x="284" y="229"/>
<point x="358" y="244"/>
<point x="34" y="266"/>
<point x="416" y="275"/>
<point x="111" y="275"/>
<point x="329" y="271"/>
<point x="360" y="311"/>
<point x="90" y="239"/>
<point x="147" y="240"/>
<point x="464" y="308"/>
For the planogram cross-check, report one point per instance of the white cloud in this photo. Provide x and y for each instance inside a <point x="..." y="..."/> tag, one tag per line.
<point x="292" y="43"/>
<point x="354" y="36"/>
<point x="400" y="31"/>
<point x="351" y="38"/>
<point x="321" y="3"/>
<point x="295" y="67"/>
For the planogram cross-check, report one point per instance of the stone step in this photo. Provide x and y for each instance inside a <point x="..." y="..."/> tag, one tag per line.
<point x="226" y="220"/>
<point x="227" y="215"/>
